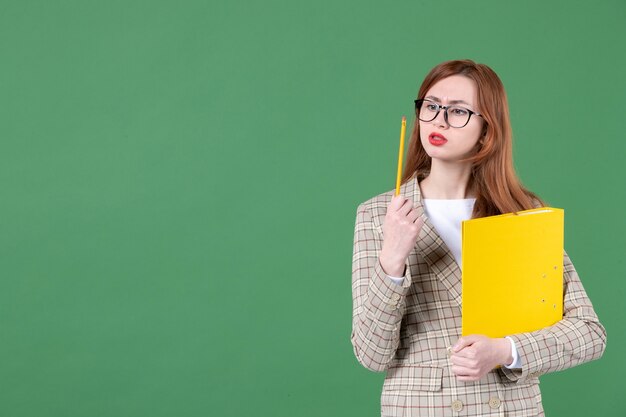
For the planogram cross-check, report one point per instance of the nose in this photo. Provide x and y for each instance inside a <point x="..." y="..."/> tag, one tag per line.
<point x="440" y="120"/>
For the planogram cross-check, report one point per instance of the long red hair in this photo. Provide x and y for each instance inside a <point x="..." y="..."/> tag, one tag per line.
<point x="493" y="177"/>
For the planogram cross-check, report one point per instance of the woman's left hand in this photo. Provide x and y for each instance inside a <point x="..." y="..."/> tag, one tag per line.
<point x="475" y="355"/>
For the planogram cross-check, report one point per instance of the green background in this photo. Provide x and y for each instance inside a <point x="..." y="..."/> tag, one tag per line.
<point x="180" y="180"/>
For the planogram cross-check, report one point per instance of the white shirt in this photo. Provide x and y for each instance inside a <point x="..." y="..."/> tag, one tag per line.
<point x="447" y="217"/>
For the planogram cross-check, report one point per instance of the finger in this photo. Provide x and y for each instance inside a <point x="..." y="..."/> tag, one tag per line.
<point x="419" y="222"/>
<point x="414" y="217"/>
<point x="463" y="371"/>
<point x="467" y="378"/>
<point x="464" y="374"/>
<point x="396" y="202"/>
<point x="467" y="352"/>
<point x="465" y="341"/>
<point x="406" y="208"/>
<point x="463" y="361"/>
<point x="412" y="214"/>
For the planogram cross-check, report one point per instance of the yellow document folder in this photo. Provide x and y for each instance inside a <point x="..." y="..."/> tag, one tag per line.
<point x="512" y="272"/>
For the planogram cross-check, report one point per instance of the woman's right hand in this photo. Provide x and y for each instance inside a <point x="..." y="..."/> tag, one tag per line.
<point x="401" y="227"/>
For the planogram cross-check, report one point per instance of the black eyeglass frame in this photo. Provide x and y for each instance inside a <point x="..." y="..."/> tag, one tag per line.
<point x="419" y="102"/>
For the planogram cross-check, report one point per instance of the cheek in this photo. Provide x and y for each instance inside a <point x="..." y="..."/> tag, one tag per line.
<point x="473" y="135"/>
<point x="471" y="144"/>
<point x="425" y="130"/>
<point x="481" y="129"/>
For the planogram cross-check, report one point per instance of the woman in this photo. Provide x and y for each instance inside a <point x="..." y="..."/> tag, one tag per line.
<point x="406" y="276"/>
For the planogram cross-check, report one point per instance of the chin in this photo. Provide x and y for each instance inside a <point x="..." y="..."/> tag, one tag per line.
<point x="449" y="158"/>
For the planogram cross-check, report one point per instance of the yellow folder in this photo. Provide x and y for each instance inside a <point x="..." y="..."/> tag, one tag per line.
<point x="512" y="272"/>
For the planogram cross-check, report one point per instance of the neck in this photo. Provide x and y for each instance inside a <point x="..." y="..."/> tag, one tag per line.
<point x="447" y="181"/>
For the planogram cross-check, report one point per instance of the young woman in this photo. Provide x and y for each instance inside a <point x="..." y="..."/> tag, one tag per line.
<point x="406" y="277"/>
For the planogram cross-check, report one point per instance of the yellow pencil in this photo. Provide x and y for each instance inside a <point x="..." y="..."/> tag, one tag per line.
<point x="400" y="154"/>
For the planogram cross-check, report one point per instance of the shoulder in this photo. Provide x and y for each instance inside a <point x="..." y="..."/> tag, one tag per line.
<point x="374" y="209"/>
<point x="377" y="203"/>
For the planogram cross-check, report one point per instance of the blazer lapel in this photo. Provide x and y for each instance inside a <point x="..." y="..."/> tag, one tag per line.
<point x="433" y="249"/>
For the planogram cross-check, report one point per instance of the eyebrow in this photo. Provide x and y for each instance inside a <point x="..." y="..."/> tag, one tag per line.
<point x="451" y="101"/>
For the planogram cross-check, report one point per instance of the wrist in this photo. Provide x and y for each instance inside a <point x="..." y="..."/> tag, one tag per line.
<point x="506" y="352"/>
<point x="393" y="268"/>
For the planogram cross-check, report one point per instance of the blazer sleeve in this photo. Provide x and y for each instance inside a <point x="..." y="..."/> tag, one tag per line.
<point x="577" y="338"/>
<point x="378" y="304"/>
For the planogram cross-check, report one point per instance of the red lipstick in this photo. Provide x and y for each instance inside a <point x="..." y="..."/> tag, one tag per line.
<point x="436" y="139"/>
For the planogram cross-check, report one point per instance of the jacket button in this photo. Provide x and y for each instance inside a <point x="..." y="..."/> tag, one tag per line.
<point x="457" y="405"/>
<point x="494" y="402"/>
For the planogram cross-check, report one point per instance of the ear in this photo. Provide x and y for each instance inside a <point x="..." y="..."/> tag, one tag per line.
<point x="483" y="134"/>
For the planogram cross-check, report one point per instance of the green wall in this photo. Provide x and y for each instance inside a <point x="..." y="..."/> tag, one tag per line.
<point x="180" y="179"/>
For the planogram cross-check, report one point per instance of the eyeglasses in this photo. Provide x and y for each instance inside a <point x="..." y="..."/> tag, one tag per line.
<point x="455" y="116"/>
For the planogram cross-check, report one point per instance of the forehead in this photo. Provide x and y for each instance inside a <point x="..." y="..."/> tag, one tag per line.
<point x="455" y="87"/>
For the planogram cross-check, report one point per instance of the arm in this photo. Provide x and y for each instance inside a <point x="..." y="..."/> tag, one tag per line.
<point x="577" y="338"/>
<point x="378" y="303"/>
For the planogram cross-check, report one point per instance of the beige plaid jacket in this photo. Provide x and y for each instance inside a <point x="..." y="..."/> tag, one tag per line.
<point x="406" y="329"/>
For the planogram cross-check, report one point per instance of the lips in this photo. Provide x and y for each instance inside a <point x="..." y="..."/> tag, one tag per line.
<point x="436" y="139"/>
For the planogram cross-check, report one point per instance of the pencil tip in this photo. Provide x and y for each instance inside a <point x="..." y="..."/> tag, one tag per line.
<point x="404" y="118"/>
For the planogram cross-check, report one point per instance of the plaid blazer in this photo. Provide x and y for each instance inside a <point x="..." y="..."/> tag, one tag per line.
<point x="405" y="330"/>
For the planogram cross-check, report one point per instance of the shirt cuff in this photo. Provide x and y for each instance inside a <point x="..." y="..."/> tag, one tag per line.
<point x="517" y="360"/>
<point x="396" y="280"/>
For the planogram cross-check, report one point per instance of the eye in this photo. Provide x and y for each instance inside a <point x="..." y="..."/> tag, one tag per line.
<point x="431" y="106"/>
<point x="458" y="111"/>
